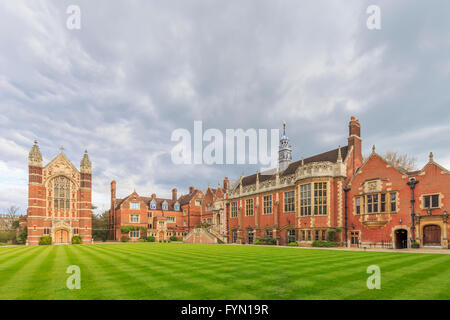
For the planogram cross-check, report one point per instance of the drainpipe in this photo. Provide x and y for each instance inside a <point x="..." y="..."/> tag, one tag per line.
<point x="412" y="184"/>
<point x="189" y="218"/>
<point x="346" y="190"/>
<point x="227" y="213"/>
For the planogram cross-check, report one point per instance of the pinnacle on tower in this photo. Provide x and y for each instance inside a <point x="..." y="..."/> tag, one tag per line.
<point x="35" y="156"/>
<point x="86" y="165"/>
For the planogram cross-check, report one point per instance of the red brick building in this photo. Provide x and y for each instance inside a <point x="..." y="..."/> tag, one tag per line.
<point x="59" y="199"/>
<point x="388" y="206"/>
<point x="299" y="201"/>
<point x="153" y="216"/>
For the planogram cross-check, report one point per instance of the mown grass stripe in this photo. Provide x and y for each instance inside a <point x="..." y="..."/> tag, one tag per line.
<point x="184" y="271"/>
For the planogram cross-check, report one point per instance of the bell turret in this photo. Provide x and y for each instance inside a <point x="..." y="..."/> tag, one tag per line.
<point x="285" y="151"/>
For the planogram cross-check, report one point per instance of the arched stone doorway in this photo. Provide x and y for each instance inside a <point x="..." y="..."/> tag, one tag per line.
<point x="401" y="239"/>
<point x="61" y="236"/>
<point x="432" y="235"/>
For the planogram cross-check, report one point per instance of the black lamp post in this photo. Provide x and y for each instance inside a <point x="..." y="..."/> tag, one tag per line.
<point x="412" y="184"/>
<point x="346" y="190"/>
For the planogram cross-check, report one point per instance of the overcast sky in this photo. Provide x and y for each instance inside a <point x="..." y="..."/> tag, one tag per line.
<point x="137" y="70"/>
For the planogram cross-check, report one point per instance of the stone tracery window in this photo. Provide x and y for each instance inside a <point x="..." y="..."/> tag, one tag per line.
<point x="61" y="193"/>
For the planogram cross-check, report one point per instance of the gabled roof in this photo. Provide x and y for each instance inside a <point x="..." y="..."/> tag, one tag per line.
<point x="62" y="157"/>
<point x="188" y="197"/>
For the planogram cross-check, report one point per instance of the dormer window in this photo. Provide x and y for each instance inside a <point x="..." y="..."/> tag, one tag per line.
<point x="176" y="206"/>
<point x="153" y="205"/>
<point x="135" y="205"/>
<point x="165" y="205"/>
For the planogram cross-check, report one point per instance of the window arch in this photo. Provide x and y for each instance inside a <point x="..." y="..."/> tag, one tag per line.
<point x="61" y="193"/>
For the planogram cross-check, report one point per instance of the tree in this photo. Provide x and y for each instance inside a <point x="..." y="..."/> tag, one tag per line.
<point x="400" y="160"/>
<point x="12" y="211"/>
<point x="100" y="225"/>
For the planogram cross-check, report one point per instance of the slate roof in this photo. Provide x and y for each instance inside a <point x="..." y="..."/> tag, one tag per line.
<point x="330" y="156"/>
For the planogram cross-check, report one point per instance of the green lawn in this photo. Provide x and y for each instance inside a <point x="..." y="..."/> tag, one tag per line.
<point x="184" y="271"/>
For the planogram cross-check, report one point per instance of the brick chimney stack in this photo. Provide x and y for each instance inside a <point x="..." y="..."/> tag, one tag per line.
<point x="354" y="140"/>
<point x="174" y="194"/>
<point x="153" y="196"/>
<point x="113" y="191"/>
<point x="191" y="189"/>
<point x="226" y="184"/>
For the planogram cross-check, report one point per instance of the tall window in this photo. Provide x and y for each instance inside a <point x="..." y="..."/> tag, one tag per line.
<point x="250" y="237"/>
<point x="305" y="200"/>
<point x="320" y="198"/>
<point x="358" y="205"/>
<point x="134" y="218"/>
<point x="289" y="201"/>
<point x="171" y="219"/>
<point x="234" y="209"/>
<point x="150" y="214"/>
<point x="431" y="201"/>
<point x="372" y="203"/>
<point x="268" y="204"/>
<point x="393" y="202"/>
<point x="383" y="202"/>
<point x="316" y="235"/>
<point x="61" y="193"/>
<point x="249" y="207"/>
<point x="269" y="234"/>
<point x="291" y="236"/>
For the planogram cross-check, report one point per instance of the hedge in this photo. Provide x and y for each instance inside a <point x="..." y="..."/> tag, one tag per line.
<point x="293" y="244"/>
<point x="77" y="240"/>
<point x="151" y="239"/>
<point x="45" y="241"/>
<point x="124" y="239"/>
<point x="324" y="244"/>
<point x="266" y="241"/>
<point x="127" y="229"/>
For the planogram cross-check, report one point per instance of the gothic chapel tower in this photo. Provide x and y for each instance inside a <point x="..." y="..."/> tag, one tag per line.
<point x="59" y="199"/>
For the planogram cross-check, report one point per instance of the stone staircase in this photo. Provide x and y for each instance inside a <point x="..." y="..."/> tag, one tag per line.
<point x="204" y="235"/>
